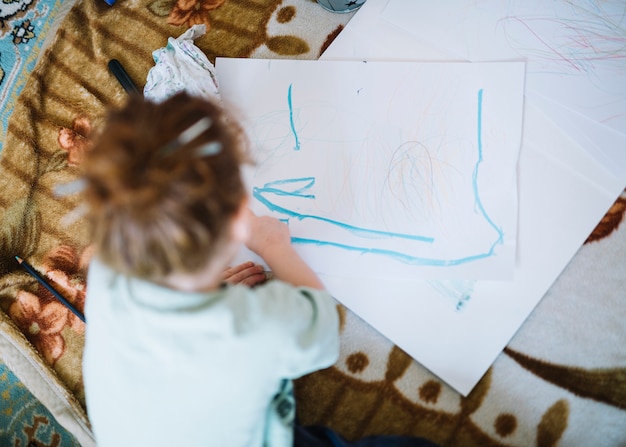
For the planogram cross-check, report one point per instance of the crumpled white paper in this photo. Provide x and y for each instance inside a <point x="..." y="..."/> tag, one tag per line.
<point x="182" y="66"/>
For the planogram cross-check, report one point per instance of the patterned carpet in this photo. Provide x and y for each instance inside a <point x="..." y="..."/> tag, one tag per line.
<point x="24" y="421"/>
<point x="561" y="381"/>
<point x="25" y="25"/>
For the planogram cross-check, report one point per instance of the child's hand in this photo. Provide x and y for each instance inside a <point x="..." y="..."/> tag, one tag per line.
<point x="270" y="239"/>
<point x="248" y="274"/>
<point x="266" y="233"/>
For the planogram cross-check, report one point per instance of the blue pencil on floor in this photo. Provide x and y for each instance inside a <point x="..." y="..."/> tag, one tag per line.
<point x="26" y="266"/>
<point x="122" y="76"/>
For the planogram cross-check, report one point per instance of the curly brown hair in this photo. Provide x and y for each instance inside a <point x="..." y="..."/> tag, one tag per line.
<point x="154" y="211"/>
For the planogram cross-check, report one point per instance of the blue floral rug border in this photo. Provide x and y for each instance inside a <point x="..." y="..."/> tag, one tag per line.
<point x="24" y="421"/>
<point x="24" y="26"/>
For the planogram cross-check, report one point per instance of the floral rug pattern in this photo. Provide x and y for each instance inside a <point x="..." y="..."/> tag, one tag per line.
<point x="24" y="422"/>
<point x="23" y="27"/>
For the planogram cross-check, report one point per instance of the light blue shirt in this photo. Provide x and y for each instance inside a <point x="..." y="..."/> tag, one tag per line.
<point x="164" y="368"/>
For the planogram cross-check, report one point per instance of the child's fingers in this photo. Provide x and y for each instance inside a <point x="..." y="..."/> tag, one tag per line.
<point x="247" y="273"/>
<point x="231" y="271"/>
<point x="254" y="280"/>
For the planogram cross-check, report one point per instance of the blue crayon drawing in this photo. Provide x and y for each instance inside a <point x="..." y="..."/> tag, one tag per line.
<point x="276" y="195"/>
<point x="291" y="123"/>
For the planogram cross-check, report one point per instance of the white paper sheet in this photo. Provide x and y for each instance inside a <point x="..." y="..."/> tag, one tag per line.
<point x="457" y="329"/>
<point x="386" y="169"/>
<point x="606" y="146"/>
<point x="563" y="192"/>
<point x="576" y="51"/>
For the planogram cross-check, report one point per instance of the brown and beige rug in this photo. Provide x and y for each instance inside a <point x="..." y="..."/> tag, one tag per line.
<point x="561" y="380"/>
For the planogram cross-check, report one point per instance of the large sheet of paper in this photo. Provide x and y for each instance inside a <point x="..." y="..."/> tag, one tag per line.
<point x="575" y="51"/>
<point x="386" y="169"/>
<point x="563" y="192"/>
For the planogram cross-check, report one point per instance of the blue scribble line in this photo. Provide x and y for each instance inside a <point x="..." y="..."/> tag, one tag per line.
<point x="291" y="123"/>
<point x="300" y="187"/>
<point x="308" y="182"/>
<point x="478" y="202"/>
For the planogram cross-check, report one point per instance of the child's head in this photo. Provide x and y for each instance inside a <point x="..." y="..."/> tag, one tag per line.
<point x="158" y="207"/>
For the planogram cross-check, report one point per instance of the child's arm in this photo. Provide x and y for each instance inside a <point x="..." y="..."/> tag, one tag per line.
<point x="270" y="239"/>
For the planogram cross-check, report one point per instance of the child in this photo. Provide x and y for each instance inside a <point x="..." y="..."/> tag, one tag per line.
<point x="180" y="349"/>
<point x="172" y="355"/>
